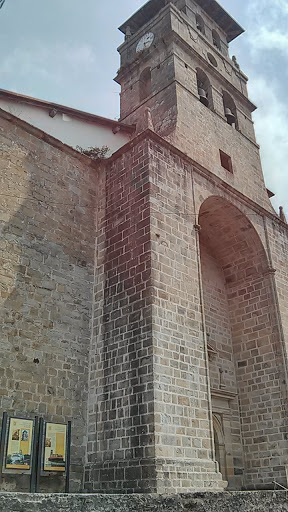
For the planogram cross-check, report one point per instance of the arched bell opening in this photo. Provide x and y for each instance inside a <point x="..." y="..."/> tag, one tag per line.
<point x="230" y="110"/>
<point x="200" y="25"/>
<point x="216" y="40"/>
<point x="245" y="368"/>
<point x="204" y="88"/>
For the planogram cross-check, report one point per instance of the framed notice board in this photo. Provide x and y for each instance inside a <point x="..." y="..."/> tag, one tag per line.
<point x="35" y="447"/>
<point x="55" y="447"/>
<point x="19" y="445"/>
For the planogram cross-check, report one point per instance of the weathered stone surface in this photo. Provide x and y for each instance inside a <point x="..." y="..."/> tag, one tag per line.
<point x="47" y="270"/>
<point x="198" y="502"/>
<point x="112" y="284"/>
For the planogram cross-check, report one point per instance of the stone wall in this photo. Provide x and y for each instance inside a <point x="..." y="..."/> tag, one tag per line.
<point x="184" y="446"/>
<point x="255" y="338"/>
<point x="198" y="502"/>
<point x="48" y="197"/>
<point x="143" y="367"/>
<point x="122" y="446"/>
<point x="218" y="326"/>
<point x="278" y="244"/>
<point x="151" y="421"/>
<point x="222" y="372"/>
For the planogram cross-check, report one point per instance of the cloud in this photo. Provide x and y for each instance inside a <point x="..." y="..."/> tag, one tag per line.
<point x="79" y="55"/>
<point x="268" y="25"/>
<point x="270" y="9"/>
<point x="267" y="32"/>
<point x="49" y="62"/>
<point x="266" y="39"/>
<point x="56" y="71"/>
<point x="271" y="126"/>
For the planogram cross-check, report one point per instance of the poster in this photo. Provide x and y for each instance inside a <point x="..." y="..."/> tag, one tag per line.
<point x="55" y="447"/>
<point x="19" y="444"/>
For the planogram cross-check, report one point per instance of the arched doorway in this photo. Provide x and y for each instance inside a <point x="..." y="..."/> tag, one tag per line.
<point x="241" y="327"/>
<point x="219" y="444"/>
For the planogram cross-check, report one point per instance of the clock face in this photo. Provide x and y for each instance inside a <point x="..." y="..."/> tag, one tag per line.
<point x="145" y="42"/>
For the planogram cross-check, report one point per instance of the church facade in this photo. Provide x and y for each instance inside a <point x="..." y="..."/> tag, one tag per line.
<point x="144" y="296"/>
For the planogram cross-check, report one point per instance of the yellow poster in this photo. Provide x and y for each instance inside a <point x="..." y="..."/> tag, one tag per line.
<point x="19" y="444"/>
<point x="55" y="447"/>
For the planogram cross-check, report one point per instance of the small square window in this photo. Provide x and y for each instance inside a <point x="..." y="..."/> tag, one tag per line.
<point x="226" y="161"/>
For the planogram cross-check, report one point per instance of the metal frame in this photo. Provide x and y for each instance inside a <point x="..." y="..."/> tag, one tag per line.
<point x="37" y="450"/>
<point x="3" y="438"/>
<point x="15" y="471"/>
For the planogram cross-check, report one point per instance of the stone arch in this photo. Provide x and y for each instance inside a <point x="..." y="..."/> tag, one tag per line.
<point x="200" y="24"/>
<point x="145" y="84"/>
<point x="230" y="110"/>
<point x="216" y="39"/>
<point x="241" y="324"/>
<point x="219" y="444"/>
<point x="217" y="214"/>
<point x="204" y="88"/>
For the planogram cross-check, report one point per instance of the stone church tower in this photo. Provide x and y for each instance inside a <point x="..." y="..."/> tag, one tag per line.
<point x="191" y="379"/>
<point x="145" y="296"/>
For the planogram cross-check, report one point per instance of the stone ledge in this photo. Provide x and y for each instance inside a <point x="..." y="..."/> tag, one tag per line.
<point x="258" y="501"/>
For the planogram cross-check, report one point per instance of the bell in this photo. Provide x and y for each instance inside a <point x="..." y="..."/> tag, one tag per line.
<point x="229" y="116"/>
<point x="203" y="97"/>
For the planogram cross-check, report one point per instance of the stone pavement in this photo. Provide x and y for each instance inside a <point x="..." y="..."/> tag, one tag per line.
<point x="254" y="501"/>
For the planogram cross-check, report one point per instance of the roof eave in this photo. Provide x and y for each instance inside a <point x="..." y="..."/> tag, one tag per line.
<point x="215" y="10"/>
<point x="67" y="110"/>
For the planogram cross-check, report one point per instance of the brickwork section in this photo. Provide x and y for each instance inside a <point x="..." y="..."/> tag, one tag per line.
<point x="141" y="375"/>
<point x="124" y="375"/>
<point x="222" y="370"/>
<point x="277" y="237"/>
<point x="218" y="326"/>
<point x="162" y="99"/>
<point x="204" y="141"/>
<point x="182" y="421"/>
<point x="150" y="421"/>
<point x="47" y="264"/>
<point x="259" y="367"/>
<point x="144" y="381"/>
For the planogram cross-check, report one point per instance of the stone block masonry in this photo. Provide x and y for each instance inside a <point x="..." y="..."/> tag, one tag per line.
<point x="219" y="354"/>
<point x="47" y="215"/>
<point x="109" y="290"/>
<point x="184" y="450"/>
<point x="145" y="298"/>
<point x="122" y="448"/>
<point x="151" y="371"/>
<point x="254" y="338"/>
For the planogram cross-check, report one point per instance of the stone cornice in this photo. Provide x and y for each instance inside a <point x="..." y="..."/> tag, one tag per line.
<point x="149" y="135"/>
<point x="212" y="178"/>
<point x="221" y="393"/>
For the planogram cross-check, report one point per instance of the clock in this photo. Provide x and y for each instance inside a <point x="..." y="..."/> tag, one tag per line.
<point x="145" y="42"/>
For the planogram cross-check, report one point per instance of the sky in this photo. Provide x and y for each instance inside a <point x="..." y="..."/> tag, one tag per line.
<point x="65" y="51"/>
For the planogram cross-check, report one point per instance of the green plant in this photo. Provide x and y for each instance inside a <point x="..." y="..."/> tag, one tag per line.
<point x="95" y="153"/>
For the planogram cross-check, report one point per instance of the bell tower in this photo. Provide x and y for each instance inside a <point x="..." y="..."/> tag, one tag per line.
<point x="175" y="61"/>
<point x="189" y="361"/>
